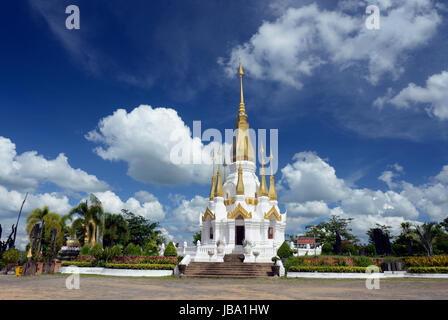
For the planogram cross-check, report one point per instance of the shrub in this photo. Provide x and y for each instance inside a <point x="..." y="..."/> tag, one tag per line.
<point x="151" y="249"/>
<point x="436" y="261"/>
<point x="428" y="270"/>
<point x="170" y="250"/>
<point x="97" y="251"/>
<point x="341" y="262"/>
<point x="108" y="254"/>
<point x="350" y="249"/>
<point x="179" y="259"/>
<point x="327" y="249"/>
<point x="140" y="266"/>
<point x="327" y="269"/>
<point x="284" y="251"/>
<point x="76" y="264"/>
<point x="117" y="250"/>
<point x="155" y="261"/>
<point x="85" y="250"/>
<point x="2" y="264"/>
<point x="363" y="262"/>
<point x="11" y="256"/>
<point x="132" y="250"/>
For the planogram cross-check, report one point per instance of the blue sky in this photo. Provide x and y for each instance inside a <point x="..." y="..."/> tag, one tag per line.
<point x="361" y="113"/>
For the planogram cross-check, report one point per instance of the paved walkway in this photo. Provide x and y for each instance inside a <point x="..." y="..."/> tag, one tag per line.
<point x="97" y="287"/>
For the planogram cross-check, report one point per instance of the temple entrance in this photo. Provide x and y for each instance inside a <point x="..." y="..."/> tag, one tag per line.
<point x="239" y="235"/>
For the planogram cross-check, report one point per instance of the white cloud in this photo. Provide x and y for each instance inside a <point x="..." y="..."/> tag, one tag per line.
<point x="112" y="203"/>
<point x="433" y="97"/>
<point x="312" y="192"/>
<point x="186" y="215"/>
<point x="310" y="178"/>
<point x="29" y="169"/>
<point x="11" y="201"/>
<point x="387" y="176"/>
<point x="303" y="39"/>
<point x="145" y="138"/>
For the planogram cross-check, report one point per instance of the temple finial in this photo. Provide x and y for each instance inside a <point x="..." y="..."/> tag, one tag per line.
<point x="242" y="109"/>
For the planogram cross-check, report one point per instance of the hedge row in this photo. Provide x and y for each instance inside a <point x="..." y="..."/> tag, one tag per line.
<point x="76" y="263"/>
<point x="428" y="270"/>
<point x="327" y="269"/>
<point x="140" y="266"/>
<point x="436" y="261"/>
<point x="157" y="261"/>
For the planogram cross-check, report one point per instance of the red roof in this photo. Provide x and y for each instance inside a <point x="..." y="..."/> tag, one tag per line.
<point x="305" y="240"/>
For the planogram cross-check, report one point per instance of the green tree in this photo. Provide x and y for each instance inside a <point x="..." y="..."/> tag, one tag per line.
<point x="88" y="225"/>
<point x="197" y="236"/>
<point x="170" y="250"/>
<point x="325" y="232"/>
<point x="48" y="221"/>
<point x="385" y="228"/>
<point x="116" y="229"/>
<point x="425" y="235"/>
<point x="284" y="251"/>
<point x="142" y="230"/>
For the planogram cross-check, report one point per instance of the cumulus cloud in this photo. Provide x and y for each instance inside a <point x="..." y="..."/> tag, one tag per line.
<point x="151" y="208"/>
<point x="303" y="39"/>
<point x="11" y="201"/>
<point x="147" y="138"/>
<point x="433" y="97"/>
<point x="312" y="192"/>
<point x="310" y="178"/>
<point x="27" y="170"/>
<point x="186" y="215"/>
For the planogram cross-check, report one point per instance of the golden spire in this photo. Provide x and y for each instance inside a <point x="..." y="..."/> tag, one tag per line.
<point x="263" y="190"/>
<point x="212" y="190"/>
<point x="242" y="146"/>
<point x="219" y="190"/>
<point x="242" y="109"/>
<point x="272" y="192"/>
<point x="240" y="184"/>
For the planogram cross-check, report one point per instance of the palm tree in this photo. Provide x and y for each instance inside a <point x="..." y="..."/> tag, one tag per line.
<point x="116" y="229"/>
<point x="425" y="235"/>
<point x="89" y="222"/>
<point x="406" y="232"/>
<point x="44" y="218"/>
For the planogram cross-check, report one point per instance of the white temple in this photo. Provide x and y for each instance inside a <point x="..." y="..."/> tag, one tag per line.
<point x="243" y="214"/>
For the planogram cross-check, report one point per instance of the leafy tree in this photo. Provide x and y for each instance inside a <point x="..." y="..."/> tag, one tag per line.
<point x="385" y="228"/>
<point x="326" y="231"/>
<point x="170" y="250"/>
<point x="327" y="248"/>
<point x="142" y="230"/>
<point x="116" y="229"/>
<point x="197" y="236"/>
<point x="444" y="224"/>
<point x="11" y="255"/>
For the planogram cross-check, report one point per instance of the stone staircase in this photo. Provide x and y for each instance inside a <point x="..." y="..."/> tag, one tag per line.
<point x="232" y="267"/>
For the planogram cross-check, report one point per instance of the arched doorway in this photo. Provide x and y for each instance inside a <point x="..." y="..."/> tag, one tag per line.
<point x="240" y="232"/>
